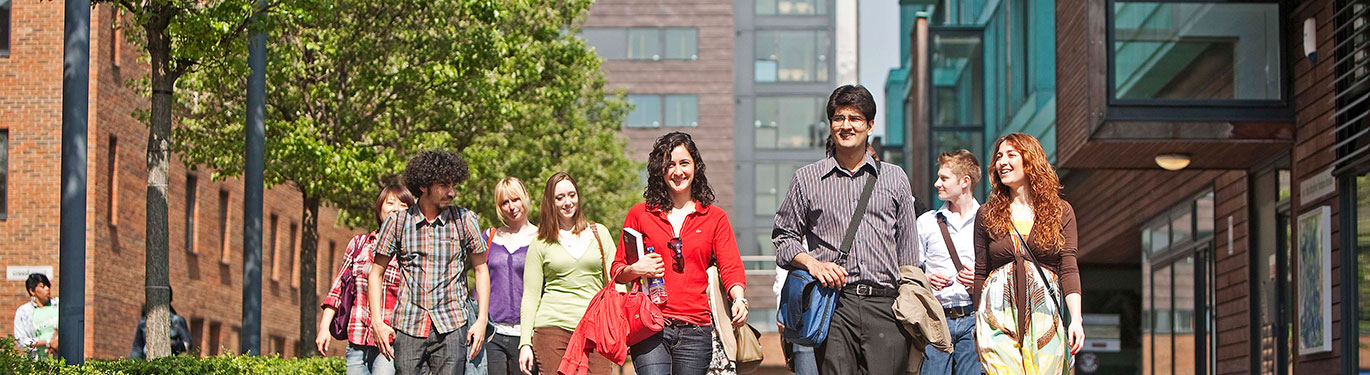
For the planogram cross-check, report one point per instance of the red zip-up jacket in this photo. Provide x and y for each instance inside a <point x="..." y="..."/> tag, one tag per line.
<point x="705" y="234"/>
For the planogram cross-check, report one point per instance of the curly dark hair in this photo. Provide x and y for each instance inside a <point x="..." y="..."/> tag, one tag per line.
<point x="855" y="96"/>
<point x="434" y="167"/>
<point x="658" y="194"/>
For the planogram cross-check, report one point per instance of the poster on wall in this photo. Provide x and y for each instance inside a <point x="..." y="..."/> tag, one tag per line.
<point x="1315" y="281"/>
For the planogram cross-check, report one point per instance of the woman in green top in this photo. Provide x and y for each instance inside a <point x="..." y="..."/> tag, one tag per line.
<point x="563" y="270"/>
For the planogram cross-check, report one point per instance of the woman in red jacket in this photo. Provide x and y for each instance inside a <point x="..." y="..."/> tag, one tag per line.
<point x="689" y="234"/>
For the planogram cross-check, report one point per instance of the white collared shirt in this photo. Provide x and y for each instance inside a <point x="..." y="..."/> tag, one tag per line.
<point x="934" y="257"/>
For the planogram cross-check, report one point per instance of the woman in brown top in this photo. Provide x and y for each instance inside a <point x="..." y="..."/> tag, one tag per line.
<point x="1010" y="295"/>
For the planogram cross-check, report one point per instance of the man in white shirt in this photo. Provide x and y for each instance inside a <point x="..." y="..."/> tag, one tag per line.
<point x="35" y="322"/>
<point x="950" y="278"/>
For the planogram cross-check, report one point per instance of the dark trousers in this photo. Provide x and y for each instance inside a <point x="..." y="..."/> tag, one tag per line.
<point x="864" y="337"/>
<point x="676" y="350"/>
<point x="502" y="355"/>
<point x="441" y="353"/>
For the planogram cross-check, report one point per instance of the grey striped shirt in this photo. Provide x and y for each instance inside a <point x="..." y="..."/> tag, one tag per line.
<point x="818" y="208"/>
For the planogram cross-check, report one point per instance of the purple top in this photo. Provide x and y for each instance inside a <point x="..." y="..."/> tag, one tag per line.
<point x="506" y="281"/>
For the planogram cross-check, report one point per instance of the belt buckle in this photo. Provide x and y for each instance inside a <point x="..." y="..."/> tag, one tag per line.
<point x="864" y="290"/>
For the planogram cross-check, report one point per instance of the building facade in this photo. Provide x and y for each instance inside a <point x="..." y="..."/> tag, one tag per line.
<point x="205" y="216"/>
<point x="1243" y="255"/>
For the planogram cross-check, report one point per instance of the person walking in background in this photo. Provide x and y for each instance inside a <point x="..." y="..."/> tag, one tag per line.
<point x="434" y="242"/>
<point x="947" y="237"/>
<point x="507" y="259"/>
<point x="1024" y="231"/>
<point x="35" y="322"/>
<point x="564" y="269"/>
<point x="689" y="234"/>
<point x="363" y="355"/>
<point x="864" y="335"/>
<point x="180" y="334"/>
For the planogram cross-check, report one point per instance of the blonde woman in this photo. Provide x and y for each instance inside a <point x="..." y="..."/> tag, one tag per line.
<point x="506" y="258"/>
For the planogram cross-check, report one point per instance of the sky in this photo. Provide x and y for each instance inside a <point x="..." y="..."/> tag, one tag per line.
<point x="878" y="49"/>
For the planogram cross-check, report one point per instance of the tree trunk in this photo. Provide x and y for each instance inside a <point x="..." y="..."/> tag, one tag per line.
<point x="309" y="288"/>
<point x="156" y="279"/>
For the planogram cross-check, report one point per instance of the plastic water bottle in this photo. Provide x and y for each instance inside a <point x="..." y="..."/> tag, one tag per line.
<point x="656" y="286"/>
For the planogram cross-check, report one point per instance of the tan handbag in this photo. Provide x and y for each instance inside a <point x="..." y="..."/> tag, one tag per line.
<point x="743" y="345"/>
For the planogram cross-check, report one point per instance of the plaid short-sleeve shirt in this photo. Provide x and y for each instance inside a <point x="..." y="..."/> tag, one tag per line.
<point x="433" y="259"/>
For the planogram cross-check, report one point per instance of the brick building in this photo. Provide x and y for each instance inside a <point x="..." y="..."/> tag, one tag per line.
<point x="205" y="216"/>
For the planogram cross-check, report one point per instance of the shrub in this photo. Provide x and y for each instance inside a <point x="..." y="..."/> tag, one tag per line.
<point x="13" y="361"/>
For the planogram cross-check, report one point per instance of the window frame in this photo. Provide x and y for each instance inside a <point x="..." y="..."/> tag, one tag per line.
<point x="4" y="173"/>
<point x="662" y="110"/>
<point x="827" y="10"/>
<point x="6" y="29"/>
<point x="820" y="103"/>
<point x="826" y="62"/>
<point x="192" y="211"/>
<point x="624" y="36"/>
<point x="1203" y="251"/>
<point x="1192" y="109"/>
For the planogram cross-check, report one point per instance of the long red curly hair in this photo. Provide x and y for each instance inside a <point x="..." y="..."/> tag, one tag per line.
<point x="1043" y="185"/>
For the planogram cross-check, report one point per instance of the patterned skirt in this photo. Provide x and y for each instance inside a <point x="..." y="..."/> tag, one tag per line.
<point x="1044" y="350"/>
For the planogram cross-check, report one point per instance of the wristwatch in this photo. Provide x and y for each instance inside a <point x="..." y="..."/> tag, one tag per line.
<point x="742" y="300"/>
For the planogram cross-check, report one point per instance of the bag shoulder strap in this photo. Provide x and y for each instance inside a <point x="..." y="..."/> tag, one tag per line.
<point x="1038" y="265"/>
<point x="951" y="246"/>
<point x="604" y="259"/>
<point x="857" y="215"/>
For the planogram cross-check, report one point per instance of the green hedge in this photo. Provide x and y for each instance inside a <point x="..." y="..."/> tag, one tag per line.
<point x="14" y="362"/>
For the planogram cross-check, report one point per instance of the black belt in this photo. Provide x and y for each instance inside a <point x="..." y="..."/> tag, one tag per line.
<point x="957" y="312"/>
<point x="867" y="290"/>
<point x="673" y="322"/>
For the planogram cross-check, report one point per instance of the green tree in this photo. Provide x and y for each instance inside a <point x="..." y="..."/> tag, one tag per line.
<point x="178" y="36"/>
<point x="357" y="87"/>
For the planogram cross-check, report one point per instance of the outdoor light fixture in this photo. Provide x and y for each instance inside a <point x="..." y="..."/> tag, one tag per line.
<point x="1172" y="162"/>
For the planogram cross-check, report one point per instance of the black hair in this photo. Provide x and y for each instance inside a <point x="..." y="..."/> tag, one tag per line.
<point x="434" y="167"/>
<point x="657" y="193"/>
<point x="33" y="281"/>
<point x="852" y="96"/>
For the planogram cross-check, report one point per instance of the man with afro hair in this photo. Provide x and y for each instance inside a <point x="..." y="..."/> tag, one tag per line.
<point x="435" y="243"/>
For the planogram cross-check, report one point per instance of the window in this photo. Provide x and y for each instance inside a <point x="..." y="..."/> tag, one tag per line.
<point x="292" y="256"/>
<point x="116" y="41"/>
<point x="1360" y="200"/>
<point x="197" y="330"/>
<point x="791" y="7"/>
<point x="213" y="343"/>
<point x="224" y="243"/>
<point x="5" y="7"/>
<point x="652" y="111"/>
<point x="1177" y="290"/>
<point x="277" y="346"/>
<point x="112" y="172"/>
<point x="4" y="173"/>
<point x="792" y="56"/>
<point x="270" y="246"/>
<point x="958" y="77"/>
<point x="772" y="182"/>
<point x="1352" y="84"/>
<point x="1195" y="51"/>
<point x="790" y="122"/>
<point x="1352" y="81"/>
<point x="192" y="189"/>
<point x="644" y="43"/>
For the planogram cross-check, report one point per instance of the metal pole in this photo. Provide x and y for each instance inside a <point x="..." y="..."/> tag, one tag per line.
<point x="251" y="338"/>
<point x="71" y="322"/>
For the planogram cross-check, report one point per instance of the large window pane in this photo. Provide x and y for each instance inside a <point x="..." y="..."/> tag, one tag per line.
<point x="1362" y="197"/>
<point x="1181" y="223"/>
<point x="1163" y="359"/>
<point x="1196" y="51"/>
<point x="610" y="44"/>
<point x="646" y="111"/>
<point x="1185" y="303"/>
<point x="791" y="7"/>
<point x="1203" y="212"/>
<point x="790" y="122"/>
<point x="957" y="80"/>
<point x="644" y="44"/>
<point x="682" y="110"/>
<point x="792" y="56"/>
<point x="772" y="182"/>
<point x="682" y="44"/>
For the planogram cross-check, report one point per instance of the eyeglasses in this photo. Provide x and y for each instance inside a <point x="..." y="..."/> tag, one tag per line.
<point x="840" y="118"/>
<point x="676" y="246"/>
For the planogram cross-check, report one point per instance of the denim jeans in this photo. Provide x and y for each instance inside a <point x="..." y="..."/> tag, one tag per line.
<point x="804" y="361"/>
<point x="367" y="360"/>
<point x="962" y="361"/>
<point x="676" y="350"/>
<point x="440" y="353"/>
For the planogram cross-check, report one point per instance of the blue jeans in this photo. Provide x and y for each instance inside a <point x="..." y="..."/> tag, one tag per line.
<point x="676" y="350"/>
<point x="962" y="361"/>
<point x="804" y="361"/>
<point x="367" y="360"/>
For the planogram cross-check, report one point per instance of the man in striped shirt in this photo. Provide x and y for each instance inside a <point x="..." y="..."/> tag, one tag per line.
<point x="432" y="241"/>
<point x="818" y="208"/>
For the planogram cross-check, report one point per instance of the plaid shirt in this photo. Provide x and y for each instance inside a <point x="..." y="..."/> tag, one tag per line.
<point x="357" y="260"/>
<point x="433" y="262"/>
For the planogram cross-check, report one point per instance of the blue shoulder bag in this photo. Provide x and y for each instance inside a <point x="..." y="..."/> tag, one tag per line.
<point x="806" y="306"/>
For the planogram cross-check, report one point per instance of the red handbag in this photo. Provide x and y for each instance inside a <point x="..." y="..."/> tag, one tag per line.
<point x="644" y="317"/>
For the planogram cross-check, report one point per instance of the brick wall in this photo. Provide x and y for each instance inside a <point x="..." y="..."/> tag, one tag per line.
<point x="207" y="285"/>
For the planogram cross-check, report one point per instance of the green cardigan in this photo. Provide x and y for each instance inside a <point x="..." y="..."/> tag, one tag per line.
<point x="558" y="287"/>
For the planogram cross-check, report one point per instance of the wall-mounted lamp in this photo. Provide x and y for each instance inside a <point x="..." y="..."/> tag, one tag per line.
<point x="1310" y="39"/>
<point x="1172" y="162"/>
